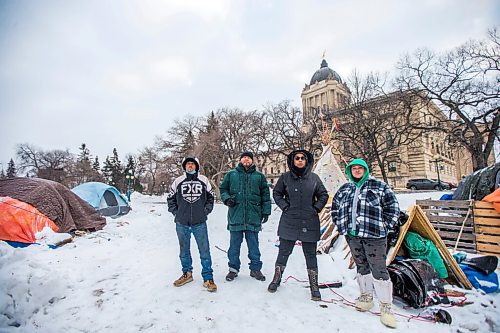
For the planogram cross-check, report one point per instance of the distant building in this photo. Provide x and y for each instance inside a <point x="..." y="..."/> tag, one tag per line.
<point x="429" y="154"/>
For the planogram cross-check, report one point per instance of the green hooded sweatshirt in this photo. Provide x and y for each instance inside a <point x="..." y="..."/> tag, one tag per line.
<point x="357" y="161"/>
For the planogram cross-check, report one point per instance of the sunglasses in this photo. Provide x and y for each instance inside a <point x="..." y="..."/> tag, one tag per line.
<point x="298" y="158"/>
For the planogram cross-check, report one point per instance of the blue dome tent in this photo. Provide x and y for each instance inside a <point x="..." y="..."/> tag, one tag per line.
<point x="106" y="199"/>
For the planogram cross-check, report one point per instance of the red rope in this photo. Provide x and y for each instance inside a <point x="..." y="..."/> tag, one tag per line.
<point x="346" y="302"/>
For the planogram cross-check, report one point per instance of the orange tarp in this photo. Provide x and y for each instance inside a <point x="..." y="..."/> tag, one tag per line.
<point x="19" y="221"/>
<point x="494" y="198"/>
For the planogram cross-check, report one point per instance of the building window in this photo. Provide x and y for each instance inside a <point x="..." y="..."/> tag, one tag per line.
<point x="389" y="140"/>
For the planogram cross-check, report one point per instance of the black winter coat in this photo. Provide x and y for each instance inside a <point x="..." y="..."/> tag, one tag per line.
<point x="301" y="198"/>
<point x="190" y="199"/>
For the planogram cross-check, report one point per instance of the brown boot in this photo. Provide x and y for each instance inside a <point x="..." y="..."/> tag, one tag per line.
<point x="278" y="272"/>
<point x="185" y="278"/>
<point x="210" y="285"/>
<point x="313" y="284"/>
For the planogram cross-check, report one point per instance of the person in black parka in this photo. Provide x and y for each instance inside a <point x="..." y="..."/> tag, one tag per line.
<point x="301" y="195"/>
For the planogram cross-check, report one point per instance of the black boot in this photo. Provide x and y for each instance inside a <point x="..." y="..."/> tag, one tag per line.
<point x="313" y="284"/>
<point x="278" y="273"/>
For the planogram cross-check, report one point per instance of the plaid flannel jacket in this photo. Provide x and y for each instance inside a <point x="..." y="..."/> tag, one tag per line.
<point x="377" y="211"/>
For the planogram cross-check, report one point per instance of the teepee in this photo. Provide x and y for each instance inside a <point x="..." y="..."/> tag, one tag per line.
<point x="333" y="178"/>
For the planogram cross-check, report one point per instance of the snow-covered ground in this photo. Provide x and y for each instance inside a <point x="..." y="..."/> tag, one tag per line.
<point x="120" y="280"/>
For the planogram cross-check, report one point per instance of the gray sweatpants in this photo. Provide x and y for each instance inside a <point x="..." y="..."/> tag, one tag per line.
<point x="369" y="254"/>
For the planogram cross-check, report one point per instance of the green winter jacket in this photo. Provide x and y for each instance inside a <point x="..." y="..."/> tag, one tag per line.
<point x="250" y="191"/>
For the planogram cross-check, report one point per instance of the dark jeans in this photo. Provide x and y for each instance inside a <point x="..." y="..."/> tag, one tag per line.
<point x="369" y="254"/>
<point x="200" y="233"/>
<point x="233" y="254"/>
<point x="286" y="248"/>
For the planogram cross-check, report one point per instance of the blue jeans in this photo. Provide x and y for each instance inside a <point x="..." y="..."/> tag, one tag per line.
<point x="233" y="254"/>
<point x="200" y="233"/>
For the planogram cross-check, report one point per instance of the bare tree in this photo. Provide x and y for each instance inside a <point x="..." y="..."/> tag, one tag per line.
<point x="83" y="170"/>
<point x="54" y="164"/>
<point x="287" y="130"/>
<point x="464" y="82"/>
<point x="226" y="134"/>
<point x="376" y="124"/>
<point x="29" y="158"/>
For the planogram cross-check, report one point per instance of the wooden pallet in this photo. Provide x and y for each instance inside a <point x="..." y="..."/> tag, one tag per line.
<point x="487" y="228"/>
<point x="454" y="222"/>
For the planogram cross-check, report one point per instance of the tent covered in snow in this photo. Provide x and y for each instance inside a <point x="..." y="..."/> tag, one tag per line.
<point x="106" y="199"/>
<point x="19" y="221"/>
<point x="54" y="200"/>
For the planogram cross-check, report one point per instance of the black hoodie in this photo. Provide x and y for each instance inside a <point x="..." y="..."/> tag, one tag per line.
<point x="191" y="196"/>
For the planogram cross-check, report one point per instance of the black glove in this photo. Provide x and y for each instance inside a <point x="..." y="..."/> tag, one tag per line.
<point x="230" y="202"/>
<point x="317" y="209"/>
<point x="264" y="218"/>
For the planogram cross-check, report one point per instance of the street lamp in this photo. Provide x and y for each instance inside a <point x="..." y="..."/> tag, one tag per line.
<point x="437" y="160"/>
<point x="130" y="178"/>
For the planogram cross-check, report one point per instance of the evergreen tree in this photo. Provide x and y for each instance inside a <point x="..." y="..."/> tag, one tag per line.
<point x="84" y="153"/>
<point x="106" y="171"/>
<point x="130" y="173"/>
<point x="83" y="167"/>
<point x="11" y="169"/>
<point x="2" y="174"/>
<point x="116" y="171"/>
<point x="96" y="165"/>
<point x="187" y="145"/>
<point x="130" y="165"/>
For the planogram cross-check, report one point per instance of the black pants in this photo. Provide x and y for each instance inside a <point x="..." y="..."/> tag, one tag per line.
<point x="286" y="248"/>
<point x="369" y="254"/>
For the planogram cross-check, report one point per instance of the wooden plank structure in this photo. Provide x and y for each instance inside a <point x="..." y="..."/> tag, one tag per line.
<point x="451" y="219"/>
<point x="465" y="225"/>
<point x="419" y="223"/>
<point x="487" y="228"/>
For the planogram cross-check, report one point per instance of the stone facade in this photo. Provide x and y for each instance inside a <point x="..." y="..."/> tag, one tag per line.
<point x="423" y="158"/>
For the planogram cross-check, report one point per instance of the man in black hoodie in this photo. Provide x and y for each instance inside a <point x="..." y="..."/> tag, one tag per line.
<point x="190" y="200"/>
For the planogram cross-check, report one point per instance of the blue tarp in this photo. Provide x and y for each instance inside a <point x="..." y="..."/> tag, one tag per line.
<point x="487" y="283"/>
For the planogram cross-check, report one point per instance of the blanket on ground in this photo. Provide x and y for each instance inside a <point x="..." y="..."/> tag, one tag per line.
<point x="67" y="210"/>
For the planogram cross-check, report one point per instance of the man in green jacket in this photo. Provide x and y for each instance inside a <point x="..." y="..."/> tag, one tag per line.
<point x="246" y="192"/>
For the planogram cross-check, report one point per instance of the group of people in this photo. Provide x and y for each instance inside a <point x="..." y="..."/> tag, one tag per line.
<point x="364" y="210"/>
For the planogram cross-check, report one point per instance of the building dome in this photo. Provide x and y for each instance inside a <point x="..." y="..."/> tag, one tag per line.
<point x="324" y="72"/>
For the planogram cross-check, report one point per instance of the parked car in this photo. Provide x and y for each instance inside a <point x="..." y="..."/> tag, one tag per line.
<point x="426" y="184"/>
<point x="446" y="185"/>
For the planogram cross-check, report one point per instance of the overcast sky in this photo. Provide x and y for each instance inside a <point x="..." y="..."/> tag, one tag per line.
<point x="117" y="73"/>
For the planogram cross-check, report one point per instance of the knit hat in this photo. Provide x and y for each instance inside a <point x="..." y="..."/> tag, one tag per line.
<point x="246" y="153"/>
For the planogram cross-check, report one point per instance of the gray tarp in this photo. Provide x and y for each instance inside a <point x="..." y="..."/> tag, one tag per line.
<point x="477" y="185"/>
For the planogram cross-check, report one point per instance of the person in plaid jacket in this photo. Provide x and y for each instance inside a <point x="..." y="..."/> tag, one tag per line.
<point x="364" y="210"/>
